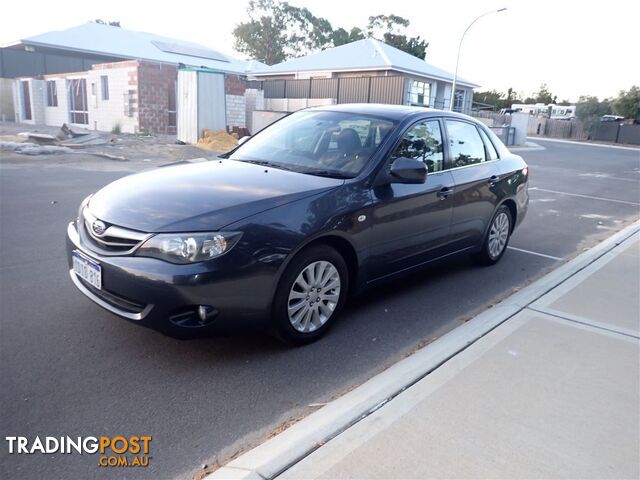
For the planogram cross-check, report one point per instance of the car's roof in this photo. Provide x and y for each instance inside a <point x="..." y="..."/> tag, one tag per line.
<point x="390" y="112"/>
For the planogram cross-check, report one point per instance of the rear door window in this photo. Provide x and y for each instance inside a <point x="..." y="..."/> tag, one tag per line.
<point x="465" y="145"/>
<point x="492" y="154"/>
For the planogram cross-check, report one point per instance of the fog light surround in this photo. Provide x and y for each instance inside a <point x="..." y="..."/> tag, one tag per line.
<point x="196" y="316"/>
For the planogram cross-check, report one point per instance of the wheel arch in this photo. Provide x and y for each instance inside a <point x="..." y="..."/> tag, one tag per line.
<point x="513" y="209"/>
<point x="341" y="244"/>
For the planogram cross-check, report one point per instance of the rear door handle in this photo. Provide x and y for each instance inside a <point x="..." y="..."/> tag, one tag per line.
<point x="445" y="192"/>
<point x="493" y="179"/>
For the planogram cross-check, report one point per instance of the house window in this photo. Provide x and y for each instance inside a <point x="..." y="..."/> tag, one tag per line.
<point x="419" y="93"/>
<point x="52" y="94"/>
<point x="104" y="83"/>
<point x="78" y="101"/>
<point x="458" y="101"/>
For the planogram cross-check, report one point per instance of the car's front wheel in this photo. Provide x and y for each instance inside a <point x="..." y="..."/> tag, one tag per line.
<point x="497" y="238"/>
<point x="311" y="293"/>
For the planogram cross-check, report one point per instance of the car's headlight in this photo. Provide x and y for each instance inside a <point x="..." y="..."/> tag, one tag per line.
<point x="188" y="247"/>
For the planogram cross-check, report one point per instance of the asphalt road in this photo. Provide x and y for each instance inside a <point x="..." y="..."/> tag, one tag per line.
<point x="69" y="368"/>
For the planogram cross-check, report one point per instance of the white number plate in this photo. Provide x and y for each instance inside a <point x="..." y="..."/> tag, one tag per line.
<point x="89" y="271"/>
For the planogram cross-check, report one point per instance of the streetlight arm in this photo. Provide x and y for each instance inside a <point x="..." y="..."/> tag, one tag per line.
<point x="455" y="75"/>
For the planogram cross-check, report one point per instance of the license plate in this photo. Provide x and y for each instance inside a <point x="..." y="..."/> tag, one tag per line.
<point x="89" y="271"/>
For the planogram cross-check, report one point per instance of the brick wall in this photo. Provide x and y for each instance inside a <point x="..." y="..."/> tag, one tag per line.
<point x="154" y="82"/>
<point x="235" y="87"/>
<point x="294" y="104"/>
<point x="254" y="100"/>
<point x="236" y="111"/>
<point x="234" y="84"/>
<point x="118" y="110"/>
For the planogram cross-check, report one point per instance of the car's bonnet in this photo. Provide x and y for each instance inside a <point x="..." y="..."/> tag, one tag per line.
<point x="202" y="196"/>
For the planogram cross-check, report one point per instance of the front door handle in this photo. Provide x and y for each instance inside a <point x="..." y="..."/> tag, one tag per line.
<point x="445" y="192"/>
<point x="493" y="179"/>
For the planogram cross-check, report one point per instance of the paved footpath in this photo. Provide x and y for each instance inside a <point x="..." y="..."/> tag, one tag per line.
<point x="552" y="391"/>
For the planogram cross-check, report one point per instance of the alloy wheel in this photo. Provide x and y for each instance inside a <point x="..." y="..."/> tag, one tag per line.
<point x="313" y="296"/>
<point x="498" y="235"/>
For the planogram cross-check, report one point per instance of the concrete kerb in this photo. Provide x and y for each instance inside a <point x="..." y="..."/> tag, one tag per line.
<point x="526" y="147"/>
<point x="276" y="455"/>
<point x="586" y="143"/>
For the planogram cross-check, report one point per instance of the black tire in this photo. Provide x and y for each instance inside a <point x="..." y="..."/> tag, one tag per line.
<point x="484" y="256"/>
<point x="282" y="326"/>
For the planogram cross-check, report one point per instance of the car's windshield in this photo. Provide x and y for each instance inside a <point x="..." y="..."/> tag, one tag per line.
<point x="333" y="144"/>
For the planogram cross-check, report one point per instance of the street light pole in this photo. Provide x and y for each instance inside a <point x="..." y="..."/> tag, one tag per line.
<point x="455" y="75"/>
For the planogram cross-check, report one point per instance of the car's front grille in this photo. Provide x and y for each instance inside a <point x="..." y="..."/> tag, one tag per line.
<point x="108" y="239"/>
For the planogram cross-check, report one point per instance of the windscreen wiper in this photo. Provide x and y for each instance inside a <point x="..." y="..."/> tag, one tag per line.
<point x="267" y="163"/>
<point x="328" y="173"/>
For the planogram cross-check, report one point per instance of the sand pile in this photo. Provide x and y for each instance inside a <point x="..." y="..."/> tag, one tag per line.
<point x="219" y="140"/>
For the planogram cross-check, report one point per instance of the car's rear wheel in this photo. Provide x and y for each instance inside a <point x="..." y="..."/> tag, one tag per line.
<point x="497" y="238"/>
<point x="310" y="295"/>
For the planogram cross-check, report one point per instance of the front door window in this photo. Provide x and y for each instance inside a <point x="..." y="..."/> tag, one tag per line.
<point x="422" y="142"/>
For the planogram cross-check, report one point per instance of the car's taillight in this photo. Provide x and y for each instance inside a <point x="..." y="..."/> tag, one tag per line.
<point x="525" y="171"/>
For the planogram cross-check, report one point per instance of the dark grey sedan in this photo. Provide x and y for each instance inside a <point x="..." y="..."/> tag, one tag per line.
<point x="280" y="230"/>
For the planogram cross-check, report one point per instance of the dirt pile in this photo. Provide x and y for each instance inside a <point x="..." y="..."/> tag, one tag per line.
<point x="219" y="140"/>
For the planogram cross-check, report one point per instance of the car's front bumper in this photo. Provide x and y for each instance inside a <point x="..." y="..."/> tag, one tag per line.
<point x="165" y="296"/>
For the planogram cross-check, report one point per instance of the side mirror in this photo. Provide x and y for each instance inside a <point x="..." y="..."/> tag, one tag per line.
<point x="408" y="170"/>
<point x="243" y="139"/>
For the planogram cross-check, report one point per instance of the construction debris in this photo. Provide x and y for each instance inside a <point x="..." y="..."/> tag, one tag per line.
<point x="42" y="138"/>
<point x="219" y="141"/>
<point x="67" y="137"/>
<point x="27" y="148"/>
<point x="67" y="132"/>
<point x="84" y="140"/>
<point x="118" y="158"/>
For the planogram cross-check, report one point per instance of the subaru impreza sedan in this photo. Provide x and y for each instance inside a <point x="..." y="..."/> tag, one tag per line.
<point x="319" y="205"/>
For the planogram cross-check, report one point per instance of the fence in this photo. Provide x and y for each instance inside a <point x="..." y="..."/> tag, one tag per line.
<point x="547" y="127"/>
<point x="613" y="132"/>
<point x="616" y="132"/>
<point x="391" y="89"/>
<point x="344" y="90"/>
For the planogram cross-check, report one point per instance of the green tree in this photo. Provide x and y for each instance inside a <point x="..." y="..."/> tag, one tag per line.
<point x="390" y="29"/>
<point x="497" y="99"/>
<point x="307" y="31"/>
<point x="627" y="103"/>
<point x="263" y="37"/>
<point x="544" y="95"/>
<point x="277" y="30"/>
<point x="489" y="97"/>
<point x="342" y="37"/>
<point x="589" y="110"/>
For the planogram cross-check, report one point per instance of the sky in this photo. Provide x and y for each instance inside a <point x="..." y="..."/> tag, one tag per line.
<point x="576" y="47"/>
